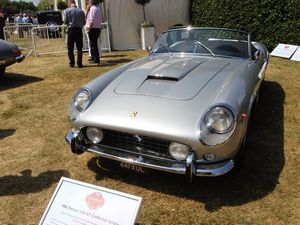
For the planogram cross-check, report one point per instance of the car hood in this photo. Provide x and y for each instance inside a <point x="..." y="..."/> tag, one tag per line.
<point x="179" y="78"/>
<point x="172" y="104"/>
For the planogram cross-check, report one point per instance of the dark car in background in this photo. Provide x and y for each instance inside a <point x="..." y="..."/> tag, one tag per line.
<point x="52" y="19"/>
<point x="9" y="54"/>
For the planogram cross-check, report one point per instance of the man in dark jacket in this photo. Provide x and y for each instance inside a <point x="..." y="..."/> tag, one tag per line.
<point x="75" y="20"/>
<point x="3" y="17"/>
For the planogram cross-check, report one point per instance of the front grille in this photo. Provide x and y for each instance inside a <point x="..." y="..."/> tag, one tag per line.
<point x="136" y="143"/>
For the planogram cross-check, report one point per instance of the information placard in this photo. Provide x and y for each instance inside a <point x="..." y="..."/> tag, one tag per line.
<point x="75" y="202"/>
<point x="284" y="50"/>
<point x="296" y="56"/>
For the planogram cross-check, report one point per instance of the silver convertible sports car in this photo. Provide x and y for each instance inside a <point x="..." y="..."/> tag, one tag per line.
<point x="183" y="109"/>
<point x="9" y="54"/>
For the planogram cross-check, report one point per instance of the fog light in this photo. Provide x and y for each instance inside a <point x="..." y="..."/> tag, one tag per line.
<point x="179" y="151"/>
<point x="94" y="134"/>
<point x="209" y="156"/>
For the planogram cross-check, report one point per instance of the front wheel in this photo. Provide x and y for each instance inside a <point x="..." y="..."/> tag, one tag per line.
<point x="239" y="158"/>
<point x="2" y="70"/>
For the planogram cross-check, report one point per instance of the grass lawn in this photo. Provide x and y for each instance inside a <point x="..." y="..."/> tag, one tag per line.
<point x="34" y="100"/>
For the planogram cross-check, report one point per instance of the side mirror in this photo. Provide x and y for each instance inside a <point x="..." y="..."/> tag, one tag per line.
<point x="258" y="55"/>
<point x="149" y="49"/>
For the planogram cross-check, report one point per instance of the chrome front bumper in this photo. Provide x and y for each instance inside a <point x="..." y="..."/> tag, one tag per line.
<point x="189" y="168"/>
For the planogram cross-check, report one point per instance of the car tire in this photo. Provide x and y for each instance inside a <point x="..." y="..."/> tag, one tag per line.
<point x="259" y="91"/>
<point x="54" y="32"/>
<point x="2" y="70"/>
<point x="50" y="24"/>
<point x="240" y="156"/>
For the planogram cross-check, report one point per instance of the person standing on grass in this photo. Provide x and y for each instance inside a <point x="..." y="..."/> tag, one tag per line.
<point x="75" y="20"/>
<point x="25" y="18"/>
<point x="18" y="21"/>
<point x="93" y="25"/>
<point x="3" y="17"/>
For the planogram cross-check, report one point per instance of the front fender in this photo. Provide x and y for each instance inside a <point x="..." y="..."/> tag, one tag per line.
<point x="97" y="85"/>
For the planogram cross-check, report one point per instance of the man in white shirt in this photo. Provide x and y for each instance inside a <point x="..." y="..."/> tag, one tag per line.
<point x="18" y="20"/>
<point x="93" y="24"/>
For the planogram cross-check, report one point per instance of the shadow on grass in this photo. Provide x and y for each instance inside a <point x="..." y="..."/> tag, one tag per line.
<point x="13" y="80"/>
<point x="113" y="56"/>
<point x="6" y="132"/>
<point x="257" y="178"/>
<point x="118" y="61"/>
<point x="26" y="183"/>
<point x="104" y="63"/>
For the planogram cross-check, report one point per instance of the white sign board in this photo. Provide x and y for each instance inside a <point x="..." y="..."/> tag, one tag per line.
<point x="296" y="56"/>
<point x="75" y="202"/>
<point x="284" y="51"/>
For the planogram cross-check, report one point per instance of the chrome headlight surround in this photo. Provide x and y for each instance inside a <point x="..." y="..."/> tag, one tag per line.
<point x="219" y="120"/>
<point x="79" y="103"/>
<point x="217" y="125"/>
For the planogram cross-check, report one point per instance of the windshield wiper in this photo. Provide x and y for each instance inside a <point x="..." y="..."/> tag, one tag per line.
<point x="165" y="47"/>
<point x="202" y="45"/>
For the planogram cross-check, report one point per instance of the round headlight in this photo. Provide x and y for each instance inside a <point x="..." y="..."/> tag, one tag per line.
<point x="94" y="134"/>
<point x="82" y="100"/>
<point x="79" y="103"/>
<point x="220" y="120"/>
<point x="179" y="151"/>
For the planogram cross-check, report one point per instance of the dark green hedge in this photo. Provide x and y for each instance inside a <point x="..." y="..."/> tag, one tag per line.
<point x="269" y="21"/>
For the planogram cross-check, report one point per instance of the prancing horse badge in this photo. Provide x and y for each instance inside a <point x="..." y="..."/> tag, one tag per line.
<point x="133" y="114"/>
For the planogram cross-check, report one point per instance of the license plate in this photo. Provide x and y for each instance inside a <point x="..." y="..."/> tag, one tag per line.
<point x="129" y="166"/>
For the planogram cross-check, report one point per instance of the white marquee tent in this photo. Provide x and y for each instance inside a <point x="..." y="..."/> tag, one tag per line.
<point x="125" y="17"/>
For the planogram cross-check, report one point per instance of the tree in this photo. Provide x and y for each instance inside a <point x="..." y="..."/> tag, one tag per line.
<point x="143" y="3"/>
<point x="46" y="5"/>
<point x="13" y="7"/>
<point x="23" y="6"/>
<point x="4" y="3"/>
<point x="62" y="5"/>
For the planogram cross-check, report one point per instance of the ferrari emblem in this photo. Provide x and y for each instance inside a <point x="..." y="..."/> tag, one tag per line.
<point x="133" y="114"/>
<point x="138" y="139"/>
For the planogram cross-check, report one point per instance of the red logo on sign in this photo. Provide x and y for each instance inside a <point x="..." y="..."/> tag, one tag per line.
<point x="286" y="46"/>
<point x="94" y="200"/>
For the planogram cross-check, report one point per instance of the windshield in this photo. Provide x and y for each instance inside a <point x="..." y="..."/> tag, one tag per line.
<point x="208" y="41"/>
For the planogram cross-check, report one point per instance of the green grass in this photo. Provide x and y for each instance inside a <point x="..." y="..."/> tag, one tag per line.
<point x="34" y="100"/>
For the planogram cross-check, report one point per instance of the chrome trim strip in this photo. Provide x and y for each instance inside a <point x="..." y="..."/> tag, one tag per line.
<point x="262" y="71"/>
<point x="216" y="169"/>
<point x="141" y="154"/>
<point x="190" y="168"/>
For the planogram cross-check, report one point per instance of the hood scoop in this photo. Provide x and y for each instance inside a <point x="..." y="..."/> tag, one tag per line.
<point x="161" y="77"/>
<point x="179" y="78"/>
<point x="173" y="71"/>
